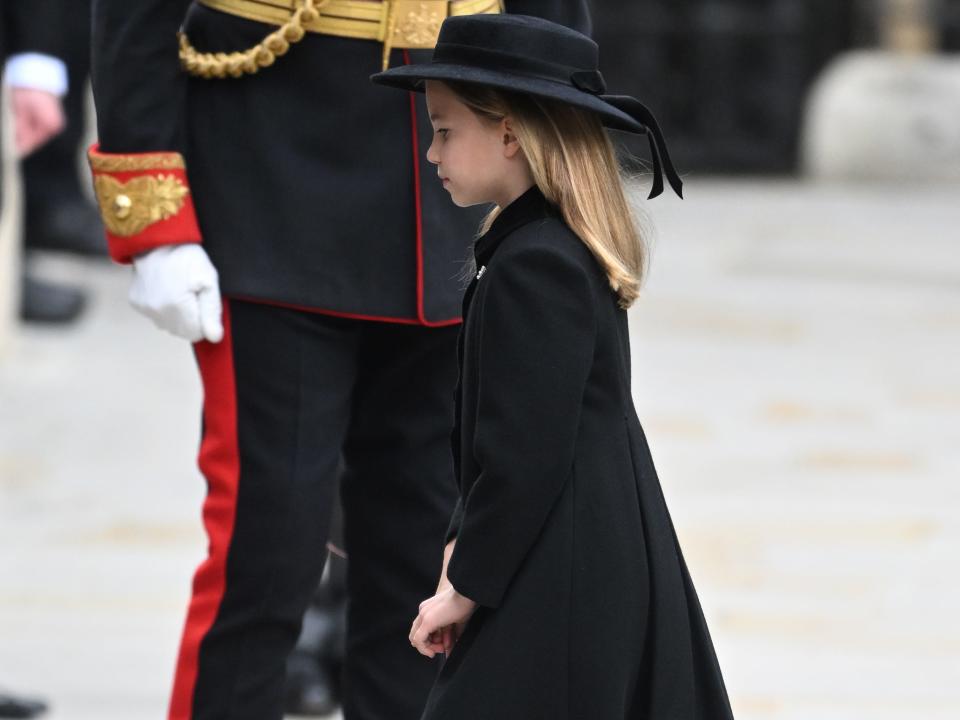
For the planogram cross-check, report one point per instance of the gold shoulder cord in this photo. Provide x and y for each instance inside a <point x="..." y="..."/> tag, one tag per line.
<point x="263" y="54"/>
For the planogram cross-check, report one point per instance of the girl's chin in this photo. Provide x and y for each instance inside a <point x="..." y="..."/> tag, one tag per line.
<point x="463" y="202"/>
<point x="458" y="201"/>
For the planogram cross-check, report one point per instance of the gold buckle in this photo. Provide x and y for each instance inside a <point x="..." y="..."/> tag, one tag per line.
<point x="416" y="23"/>
<point x="412" y="25"/>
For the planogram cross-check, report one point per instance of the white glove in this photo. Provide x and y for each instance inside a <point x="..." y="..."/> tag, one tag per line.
<point x="176" y="286"/>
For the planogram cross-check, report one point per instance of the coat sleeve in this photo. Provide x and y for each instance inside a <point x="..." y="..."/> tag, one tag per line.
<point x="139" y="171"/>
<point x="453" y="529"/>
<point x="537" y="332"/>
<point x="572" y="13"/>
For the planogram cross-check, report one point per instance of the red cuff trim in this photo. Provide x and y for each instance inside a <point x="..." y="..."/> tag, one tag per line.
<point x="176" y="222"/>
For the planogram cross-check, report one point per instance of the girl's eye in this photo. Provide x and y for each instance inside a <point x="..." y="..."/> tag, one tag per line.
<point x="442" y="131"/>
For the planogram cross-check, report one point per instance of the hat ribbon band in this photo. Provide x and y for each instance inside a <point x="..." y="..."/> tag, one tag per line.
<point x="585" y="80"/>
<point x="662" y="163"/>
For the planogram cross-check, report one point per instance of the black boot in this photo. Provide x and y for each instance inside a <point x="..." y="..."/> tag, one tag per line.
<point x="71" y="226"/>
<point x="14" y="707"/>
<point x="44" y="302"/>
<point x="313" y="671"/>
<point x="311" y="691"/>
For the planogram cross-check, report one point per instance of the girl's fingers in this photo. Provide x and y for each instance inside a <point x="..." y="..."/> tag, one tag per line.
<point x="421" y="633"/>
<point x="424" y="629"/>
<point x="432" y="630"/>
<point x="417" y="621"/>
<point x="438" y="641"/>
<point x="428" y="648"/>
<point x="434" y="647"/>
<point x="426" y="642"/>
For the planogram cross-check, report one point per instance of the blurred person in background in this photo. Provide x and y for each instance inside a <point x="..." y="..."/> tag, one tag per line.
<point x="59" y="215"/>
<point x="38" y="84"/>
<point x="324" y="302"/>
<point x="29" y="40"/>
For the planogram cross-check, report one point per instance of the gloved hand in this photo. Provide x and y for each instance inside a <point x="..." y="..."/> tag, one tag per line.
<point x="176" y="286"/>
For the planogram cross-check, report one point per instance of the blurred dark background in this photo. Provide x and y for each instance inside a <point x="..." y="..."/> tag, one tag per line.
<point x="728" y="78"/>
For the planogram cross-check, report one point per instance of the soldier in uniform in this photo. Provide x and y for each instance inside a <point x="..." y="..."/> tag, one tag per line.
<point x="278" y="212"/>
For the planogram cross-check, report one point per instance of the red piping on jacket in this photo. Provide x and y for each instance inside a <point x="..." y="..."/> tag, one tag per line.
<point x="220" y="464"/>
<point x="421" y="314"/>
<point x="347" y="315"/>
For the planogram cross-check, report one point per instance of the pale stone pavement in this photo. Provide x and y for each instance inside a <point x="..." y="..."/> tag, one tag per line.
<point x="796" y="357"/>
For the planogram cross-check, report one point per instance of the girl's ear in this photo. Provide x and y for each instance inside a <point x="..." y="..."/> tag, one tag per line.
<point x="511" y="146"/>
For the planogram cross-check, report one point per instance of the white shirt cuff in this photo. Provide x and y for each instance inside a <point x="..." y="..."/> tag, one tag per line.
<point x="37" y="71"/>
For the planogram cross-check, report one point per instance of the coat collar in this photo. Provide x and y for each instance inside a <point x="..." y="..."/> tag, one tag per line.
<point x="528" y="208"/>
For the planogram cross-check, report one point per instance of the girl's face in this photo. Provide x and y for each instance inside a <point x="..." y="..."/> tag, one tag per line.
<point x="478" y="160"/>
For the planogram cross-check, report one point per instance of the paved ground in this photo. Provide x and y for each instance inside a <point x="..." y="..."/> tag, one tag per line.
<point x="796" y="356"/>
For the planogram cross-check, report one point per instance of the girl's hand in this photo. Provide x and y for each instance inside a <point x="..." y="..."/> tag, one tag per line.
<point x="441" y="622"/>
<point x="445" y="638"/>
<point x="443" y="584"/>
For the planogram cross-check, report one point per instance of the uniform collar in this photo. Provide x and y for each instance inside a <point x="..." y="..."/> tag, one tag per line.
<point x="527" y="208"/>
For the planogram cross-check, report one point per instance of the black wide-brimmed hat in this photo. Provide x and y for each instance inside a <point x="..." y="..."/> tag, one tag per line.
<point x="537" y="57"/>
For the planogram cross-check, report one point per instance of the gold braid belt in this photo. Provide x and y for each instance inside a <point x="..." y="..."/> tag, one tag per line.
<point x="410" y="24"/>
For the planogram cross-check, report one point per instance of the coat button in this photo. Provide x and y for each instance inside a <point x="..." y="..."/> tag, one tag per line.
<point x="122" y="205"/>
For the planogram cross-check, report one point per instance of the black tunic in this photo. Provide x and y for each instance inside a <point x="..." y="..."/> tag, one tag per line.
<point x="587" y="611"/>
<point x="310" y="183"/>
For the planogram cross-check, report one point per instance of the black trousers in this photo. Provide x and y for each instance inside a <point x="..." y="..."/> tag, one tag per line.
<point x="294" y="403"/>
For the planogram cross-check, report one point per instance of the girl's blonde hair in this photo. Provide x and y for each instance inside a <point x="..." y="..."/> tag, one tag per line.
<point x="574" y="164"/>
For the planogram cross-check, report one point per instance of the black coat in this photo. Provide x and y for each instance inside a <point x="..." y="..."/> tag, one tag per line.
<point x="587" y="611"/>
<point x="31" y="26"/>
<point x="308" y="183"/>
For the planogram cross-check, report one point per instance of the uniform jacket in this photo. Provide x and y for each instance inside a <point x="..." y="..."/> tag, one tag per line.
<point x="310" y="184"/>
<point x="563" y="536"/>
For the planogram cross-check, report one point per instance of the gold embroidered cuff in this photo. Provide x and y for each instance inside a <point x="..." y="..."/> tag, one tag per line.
<point x="144" y="201"/>
<point x="128" y="208"/>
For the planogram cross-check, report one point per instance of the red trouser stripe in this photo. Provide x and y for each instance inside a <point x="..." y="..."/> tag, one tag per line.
<point x="220" y="464"/>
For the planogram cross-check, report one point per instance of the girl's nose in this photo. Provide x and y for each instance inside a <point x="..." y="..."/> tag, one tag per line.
<point x="432" y="155"/>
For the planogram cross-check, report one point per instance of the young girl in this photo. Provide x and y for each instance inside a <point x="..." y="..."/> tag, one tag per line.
<point x="564" y="594"/>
